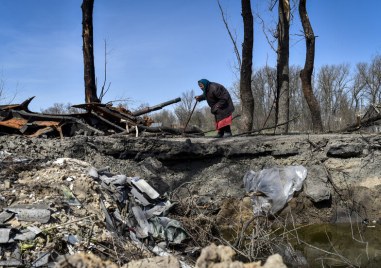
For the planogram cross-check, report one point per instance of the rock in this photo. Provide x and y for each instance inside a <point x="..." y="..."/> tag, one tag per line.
<point x="82" y="260"/>
<point x="274" y="261"/>
<point x="316" y="185"/>
<point x="213" y="254"/>
<point x="345" y="150"/>
<point x="343" y="215"/>
<point x="156" y="262"/>
<point x="222" y="257"/>
<point x="93" y="172"/>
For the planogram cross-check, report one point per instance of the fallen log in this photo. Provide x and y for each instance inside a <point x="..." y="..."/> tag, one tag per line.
<point x="361" y="123"/>
<point x="107" y="122"/>
<point x="163" y="130"/>
<point x="156" y="107"/>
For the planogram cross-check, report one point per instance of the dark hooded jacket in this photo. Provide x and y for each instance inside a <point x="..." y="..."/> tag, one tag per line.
<point x="219" y="100"/>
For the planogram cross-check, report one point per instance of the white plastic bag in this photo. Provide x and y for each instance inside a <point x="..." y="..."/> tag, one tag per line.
<point x="276" y="185"/>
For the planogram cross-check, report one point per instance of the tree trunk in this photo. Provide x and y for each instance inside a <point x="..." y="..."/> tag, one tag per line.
<point x="246" y="94"/>
<point x="306" y="73"/>
<point x="282" y="114"/>
<point x="88" y="53"/>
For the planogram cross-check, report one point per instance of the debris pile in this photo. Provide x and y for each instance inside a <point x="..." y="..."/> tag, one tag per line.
<point x="67" y="206"/>
<point x="98" y="119"/>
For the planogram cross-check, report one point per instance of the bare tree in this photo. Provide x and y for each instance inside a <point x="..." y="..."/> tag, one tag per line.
<point x="306" y="72"/>
<point x="358" y="91"/>
<point x="246" y="94"/>
<point x="165" y="117"/>
<point x="264" y="89"/>
<point x="333" y="84"/>
<point x="282" y="113"/>
<point x="184" y="109"/>
<point x="232" y="38"/>
<point x="370" y="74"/>
<point x="244" y="64"/>
<point x="61" y="108"/>
<point x="298" y="105"/>
<point x="5" y="96"/>
<point x="2" y="90"/>
<point x="88" y="52"/>
<point x="104" y="90"/>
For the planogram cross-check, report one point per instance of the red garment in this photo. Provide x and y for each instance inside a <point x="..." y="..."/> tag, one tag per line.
<point x="227" y="121"/>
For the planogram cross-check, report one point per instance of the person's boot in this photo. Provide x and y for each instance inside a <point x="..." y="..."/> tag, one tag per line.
<point x="220" y="134"/>
<point x="228" y="134"/>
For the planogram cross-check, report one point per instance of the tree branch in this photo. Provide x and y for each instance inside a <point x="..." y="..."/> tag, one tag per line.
<point x="236" y="51"/>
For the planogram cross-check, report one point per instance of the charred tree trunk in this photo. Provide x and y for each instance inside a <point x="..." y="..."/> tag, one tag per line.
<point x="88" y="52"/>
<point x="282" y="113"/>
<point x="306" y="73"/>
<point x="246" y="94"/>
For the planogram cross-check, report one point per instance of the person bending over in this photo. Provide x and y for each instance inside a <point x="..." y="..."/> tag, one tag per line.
<point x="220" y="103"/>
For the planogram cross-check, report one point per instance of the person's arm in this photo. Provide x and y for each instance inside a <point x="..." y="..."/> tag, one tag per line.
<point x="200" y="98"/>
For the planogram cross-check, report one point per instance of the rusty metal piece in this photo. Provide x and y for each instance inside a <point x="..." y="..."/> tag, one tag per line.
<point x="22" y="106"/>
<point x="147" y="121"/>
<point x="15" y="123"/>
<point x="57" y="118"/>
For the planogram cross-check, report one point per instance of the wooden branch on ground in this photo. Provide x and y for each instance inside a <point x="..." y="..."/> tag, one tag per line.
<point x="261" y="129"/>
<point x="319" y="146"/>
<point x="109" y="123"/>
<point x="164" y="130"/>
<point x="358" y="125"/>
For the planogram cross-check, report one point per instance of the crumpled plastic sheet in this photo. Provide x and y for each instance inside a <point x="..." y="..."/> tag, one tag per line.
<point x="272" y="188"/>
<point x="167" y="229"/>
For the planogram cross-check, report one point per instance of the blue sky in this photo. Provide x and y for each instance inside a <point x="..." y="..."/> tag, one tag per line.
<point x="159" y="49"/>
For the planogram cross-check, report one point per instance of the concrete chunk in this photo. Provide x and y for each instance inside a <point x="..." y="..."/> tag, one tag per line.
<point x="4" y="235"/>
<point x="31" y="214"/>
<point x="144" y="187"/>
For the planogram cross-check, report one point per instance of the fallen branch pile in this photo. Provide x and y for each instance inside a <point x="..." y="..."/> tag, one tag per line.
<point x="97" y="119"/>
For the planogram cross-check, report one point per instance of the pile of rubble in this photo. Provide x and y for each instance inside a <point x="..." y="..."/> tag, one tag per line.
<point x="67" y="213"/>
<point x="98" y="119"/>
<point x="67" y="206"/>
